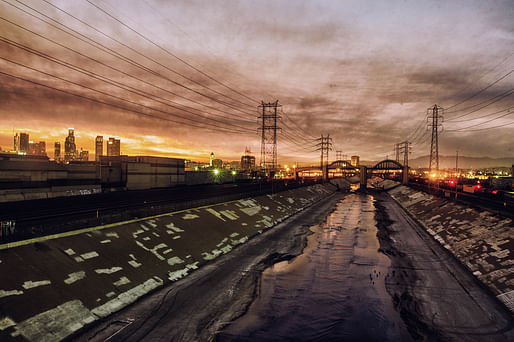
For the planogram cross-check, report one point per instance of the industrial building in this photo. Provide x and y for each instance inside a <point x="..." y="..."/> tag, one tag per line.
<point x="25" y="177"/>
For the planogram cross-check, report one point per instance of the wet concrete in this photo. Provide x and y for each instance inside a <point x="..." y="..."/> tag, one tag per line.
<point x="335" y="290"/>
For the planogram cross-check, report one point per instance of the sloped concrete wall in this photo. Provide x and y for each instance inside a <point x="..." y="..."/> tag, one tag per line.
<point x="482" y="241"/>
<point x="51" y="288"/>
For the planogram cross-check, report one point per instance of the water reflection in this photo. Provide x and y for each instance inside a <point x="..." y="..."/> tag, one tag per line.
<point x="334" y="291"/>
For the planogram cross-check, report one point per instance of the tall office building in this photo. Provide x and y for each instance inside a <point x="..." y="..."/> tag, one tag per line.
<point x="57" y="151"/>
<point x="99" y="147"/>
<point x="113" y="147"/>
<point x="70" y="149"/>
<point x="33" y="147"/>
<point x="247" y="160"/>
<point x="84" y="155"/>
<point x="16" y="145"/>
<point x="24" y="143"/>
<point x="41" y="148"/>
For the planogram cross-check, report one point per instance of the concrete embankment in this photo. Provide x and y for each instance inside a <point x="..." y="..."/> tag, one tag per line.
<point x="482" y="241"/>
<point x="53" y="287"/>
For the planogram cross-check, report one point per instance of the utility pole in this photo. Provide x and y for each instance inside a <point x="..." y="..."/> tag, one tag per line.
<point x="434" y="120"/>
<point x="269" y="136"/>
<point x="457" y="163"/>
<point x="325" y="144"/>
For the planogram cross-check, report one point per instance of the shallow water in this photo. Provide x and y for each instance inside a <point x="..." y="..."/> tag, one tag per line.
<point x="334" y="291"/>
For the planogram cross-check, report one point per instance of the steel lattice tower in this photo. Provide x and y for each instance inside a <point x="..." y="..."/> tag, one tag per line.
<point x="405" y="149"/>
<point x="434" y="120"/>
<point x="269" y="135"/>
<point x="325" y="144"/>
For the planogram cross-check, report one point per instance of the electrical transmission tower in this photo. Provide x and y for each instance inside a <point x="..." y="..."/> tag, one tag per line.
<point x="269" y="136"/>
<point x="434" y="120"/>
<point x="325" y="145"/>
<point x="404" y="147"/>
<point x="339" y="155"/>
<point x="397" y="151"/>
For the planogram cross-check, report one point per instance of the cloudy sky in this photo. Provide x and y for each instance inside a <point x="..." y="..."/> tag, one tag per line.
<point x="185" y="77"/>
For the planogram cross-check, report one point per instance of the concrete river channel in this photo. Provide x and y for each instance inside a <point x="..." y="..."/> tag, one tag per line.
<point x="335" y="290"/>
<point x="351" y="267"/>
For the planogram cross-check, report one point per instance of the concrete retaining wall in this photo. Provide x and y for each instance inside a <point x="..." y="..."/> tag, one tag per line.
<point x="11" y="195"/>
<point x="482" y="241"/>
<point x="54" y="286"/>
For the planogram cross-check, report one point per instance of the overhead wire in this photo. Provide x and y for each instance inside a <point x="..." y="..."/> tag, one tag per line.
<point x="492" y="100"/>
<point x="481" y="90"/>
<point x="205" y="48"/>
<point x="113" y="82"/>
<point x="480" y="123"/>
<point x="119" y="98"/>
<point x="125" y="109"/>
<point x="113" y="53"/>
<point x="172" y="55"/>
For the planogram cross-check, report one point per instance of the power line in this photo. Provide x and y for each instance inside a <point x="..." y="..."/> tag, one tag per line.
<point x="111" y="81"/>
<point x="174" y="56"/>
<point x="480" y="123"/>
<point x="480" y="117"/>
<point x="481" y="90"/>
<point x="111" y="104"/>
<point x="114" y="54"/>
<point x="298" y="127"/>
<point x="167" y="19"/>
<point x="495" y="98"/>
<point x="486" y="128"/>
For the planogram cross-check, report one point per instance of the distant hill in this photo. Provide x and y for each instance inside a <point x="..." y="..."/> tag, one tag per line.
<point x="446" y="162"/>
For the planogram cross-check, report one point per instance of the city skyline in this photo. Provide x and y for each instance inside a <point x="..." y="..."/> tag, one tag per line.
<point x="364" y="72"/>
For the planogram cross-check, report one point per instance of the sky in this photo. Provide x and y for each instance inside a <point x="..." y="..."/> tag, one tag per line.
<point x="184" y="78"/>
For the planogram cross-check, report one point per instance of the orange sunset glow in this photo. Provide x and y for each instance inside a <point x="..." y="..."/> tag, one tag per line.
<point x="184" y="79"/>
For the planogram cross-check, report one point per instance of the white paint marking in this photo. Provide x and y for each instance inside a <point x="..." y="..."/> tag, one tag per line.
<point x="126" y="298"/>
<point x="108" y="270"/>
<point x="215" y="213"/>
<point x="105" y="241"/>
<point x="190" y="216"/>
<point x="89" y="255"/>
<point x="122" y="281"/>
<point x="4" y="293"/>
<point x="134" y="263"/>
<point x="174" y="228"/>
<point x="251" y="211"/>
<point x="76" y="276"/>
<point x="55" y="324"/>
<point x="69" y="251"/>
<point x="31" y="284"/>
<point x="151" y="223"/>
<point x="137" y="232"/>
<point x="230" y="214"/>
<point x="6" y="322"/>
<point x="175" y="260"/>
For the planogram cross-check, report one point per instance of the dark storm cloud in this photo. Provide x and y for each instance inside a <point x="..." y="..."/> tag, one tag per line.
<point x="315" y="102"/>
